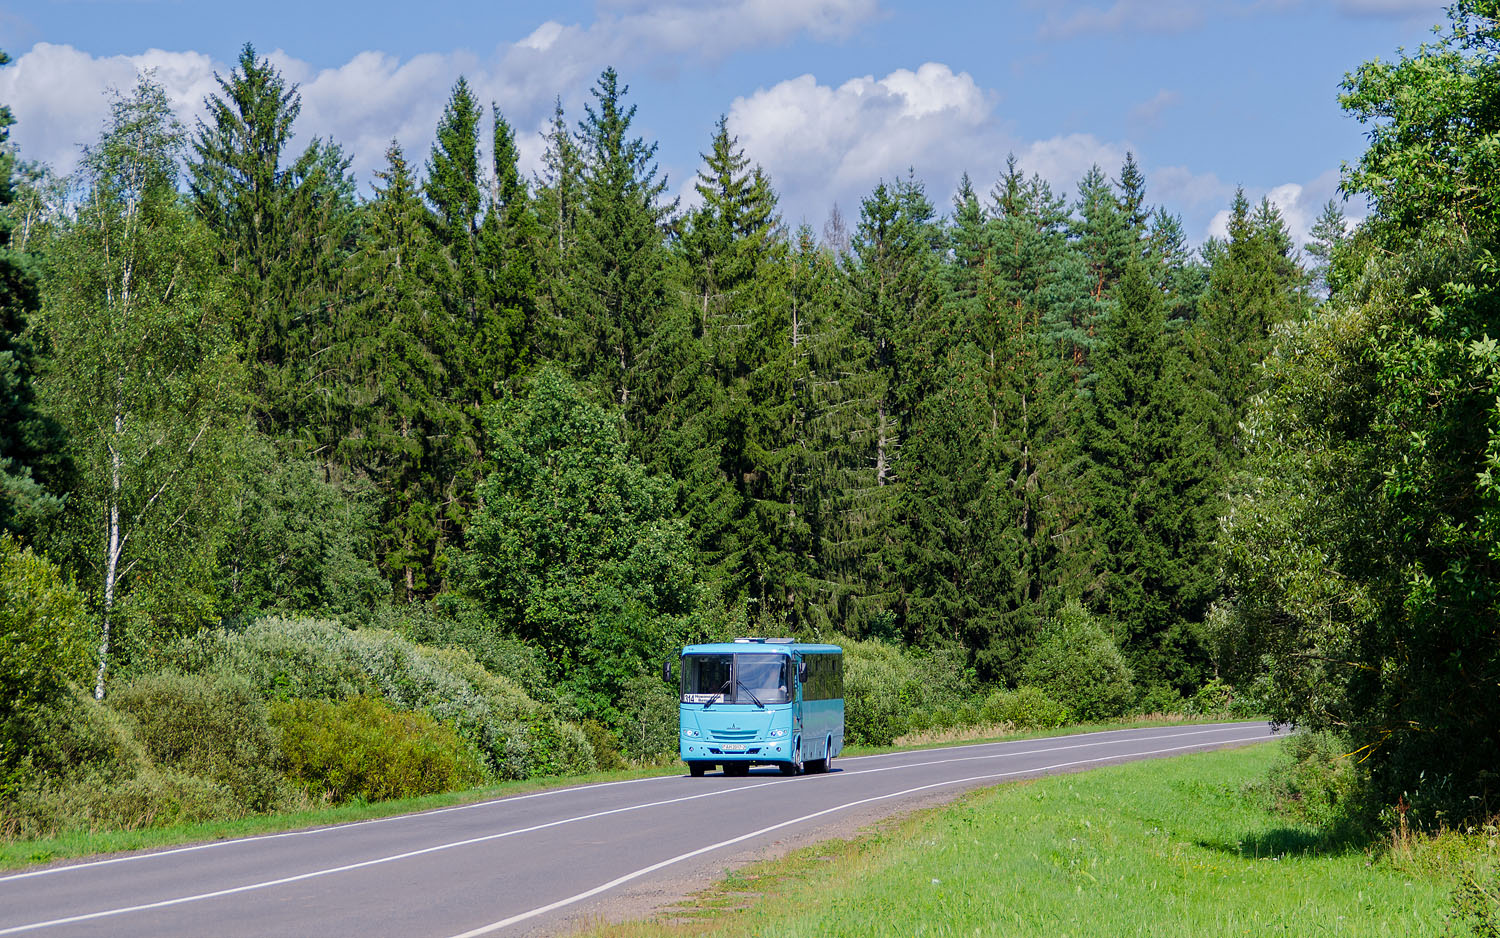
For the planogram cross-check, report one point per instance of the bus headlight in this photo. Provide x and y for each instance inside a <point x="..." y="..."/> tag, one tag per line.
<point x="691" y="733"/>
<point x="777" y="734"/>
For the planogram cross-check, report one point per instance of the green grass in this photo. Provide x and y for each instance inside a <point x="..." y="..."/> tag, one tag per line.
<point x="17" y="854"/>
<point x="1161" y="848"/>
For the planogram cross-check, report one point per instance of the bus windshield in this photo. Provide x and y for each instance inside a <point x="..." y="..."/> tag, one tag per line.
<point x="736" y="679"/>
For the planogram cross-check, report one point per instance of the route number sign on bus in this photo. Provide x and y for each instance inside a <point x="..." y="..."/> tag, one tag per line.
<point x="760" y="701"/>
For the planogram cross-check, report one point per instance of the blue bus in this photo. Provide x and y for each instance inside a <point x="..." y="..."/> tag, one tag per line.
<point x="760" y="701"/>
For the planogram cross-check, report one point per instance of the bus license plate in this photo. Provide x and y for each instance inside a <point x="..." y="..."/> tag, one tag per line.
<point x="733" y="747"/>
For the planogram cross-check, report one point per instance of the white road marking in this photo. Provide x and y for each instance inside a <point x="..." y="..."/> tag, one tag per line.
<point x="249" y="887"/>
<point x="643" y="871"/>
<point x="490" y="802"/>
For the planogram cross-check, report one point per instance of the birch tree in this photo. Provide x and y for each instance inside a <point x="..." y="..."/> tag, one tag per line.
<point x="142" y="378"/>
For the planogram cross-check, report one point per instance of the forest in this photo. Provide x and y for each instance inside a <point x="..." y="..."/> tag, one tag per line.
<point x="314" y="494"/>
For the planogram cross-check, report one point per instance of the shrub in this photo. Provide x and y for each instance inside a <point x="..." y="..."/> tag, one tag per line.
<point x="361" y="748"/>
<point x="212" y="726"/>
<point x="605" y="744"/>
<point x="311" y="659"/>
<point x="1319" y="782"/>
<point x="1077" y="663"/>
<point x="882" y="688"/>
<point x="648" y="716"/>
<point x="44" y="647"/>
<point x="94" y="800"/>
<point x="1025" y="707"/>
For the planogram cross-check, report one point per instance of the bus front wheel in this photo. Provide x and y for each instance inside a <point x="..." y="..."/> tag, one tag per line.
<point x="696" y="769"/>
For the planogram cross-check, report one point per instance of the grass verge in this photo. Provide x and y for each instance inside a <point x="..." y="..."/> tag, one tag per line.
<point x="1163" y="848"/>
<point x="18" y="854"/>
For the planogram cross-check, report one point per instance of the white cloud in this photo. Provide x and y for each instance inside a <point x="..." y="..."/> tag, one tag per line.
<point x="1300" y="205"/>
<point x="56" y="90"/>
<point x="823" y="144"/>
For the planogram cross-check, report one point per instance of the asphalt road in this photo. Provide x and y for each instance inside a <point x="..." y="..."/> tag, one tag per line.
<point x="531" y="864"/>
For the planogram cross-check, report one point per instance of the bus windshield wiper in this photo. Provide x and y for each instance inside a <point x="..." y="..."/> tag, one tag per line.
<point x="753" y="698"/>
<point x="722" y="688"/>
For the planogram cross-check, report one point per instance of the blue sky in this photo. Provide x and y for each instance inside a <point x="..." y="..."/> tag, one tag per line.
<point x="828" y="95"/>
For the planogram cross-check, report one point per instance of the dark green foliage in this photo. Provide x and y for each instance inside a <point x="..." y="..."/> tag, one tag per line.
<point x="575" y="548"/>
<point x="1152" y="489"/>
<point x="402" y="427"/>
<point x="30" y="444"/>
<point x="297" y="543"/>
<point x="360" y="749"/>
<point x="623" y="333"/>
<point x="283" y="228"/>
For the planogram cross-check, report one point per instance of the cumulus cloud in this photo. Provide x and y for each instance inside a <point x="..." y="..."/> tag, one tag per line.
<point x="1299" y="203"/>
<point x="825" y="144"/>
<point x="56" y="90"/>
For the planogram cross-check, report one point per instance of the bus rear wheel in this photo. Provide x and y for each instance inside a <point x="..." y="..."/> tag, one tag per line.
<point x="737" y="768"/>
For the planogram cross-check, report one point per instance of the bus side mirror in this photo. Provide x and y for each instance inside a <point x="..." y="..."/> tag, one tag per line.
<point x="666" y="670"/>
<point x="802" y="671"/>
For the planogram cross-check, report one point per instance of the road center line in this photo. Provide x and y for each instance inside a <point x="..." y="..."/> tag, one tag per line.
<point x="618" y="881"/>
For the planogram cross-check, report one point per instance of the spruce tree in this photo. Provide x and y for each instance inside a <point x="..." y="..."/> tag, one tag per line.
<point x="284" y="230"/>
<point x="1152" y="490"/>
<point x="30" y="443"/>
<point x="403" y="430"/>
<point x="621" y="297"/>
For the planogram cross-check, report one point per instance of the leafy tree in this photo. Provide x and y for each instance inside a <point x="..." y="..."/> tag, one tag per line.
<point x="143" y="378"/>
<point x="28" y="440"/>
<point x="575" y="547"/>
<point x="296" y="543"/>
<point x="1076" y="661"/>
<point x="1362" y="550"/>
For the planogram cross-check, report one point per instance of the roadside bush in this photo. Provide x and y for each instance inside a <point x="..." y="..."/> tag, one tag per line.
<point x="44" y="647"/>
<point x="1319" y="782"/>
<point x="312" y="659"/>
<point x="605" y="744"/>
<point x="1217" y="697"/>
<point x="882" y="687"/>
<point x="451" y="622"/>
<point x="1024" y="708"/>
<point x="362" y="749"/>
<point x="1077" y="664"/>
<point x="213" y="726"/>
<point x="99" y="800"/>
<point x="890" y="691"/>
<point x="648" y="716"/>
